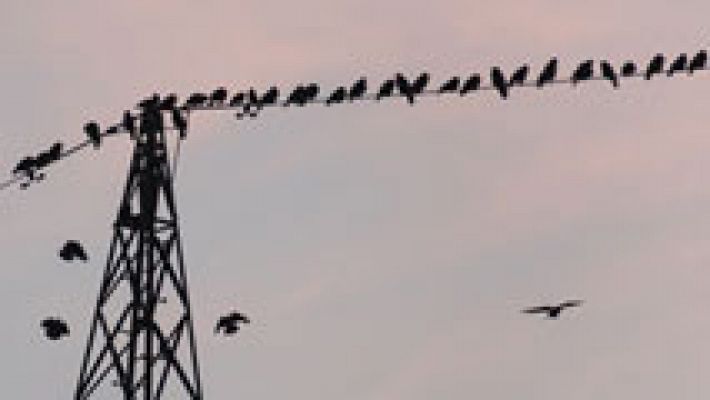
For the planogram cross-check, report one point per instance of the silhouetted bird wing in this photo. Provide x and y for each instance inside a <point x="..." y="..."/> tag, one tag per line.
<point x="473" y="83"/>
<point x="499" y="82"/>
<point x="655" y="66"/>
<point x="698" y="62"/>
<point x="609" y="73"/>
<point x="571" y="303"/>
<point x="538" y="310"/>
<point x="451" y="85"/>
<point x="548" y="73"/>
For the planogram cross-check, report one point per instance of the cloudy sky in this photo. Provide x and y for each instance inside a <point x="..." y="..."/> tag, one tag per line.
<point x="382" y="251"/>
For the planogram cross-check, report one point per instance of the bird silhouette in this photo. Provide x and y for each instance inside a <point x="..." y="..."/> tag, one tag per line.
<point x="471" y="84"/>
<point x="548" y="73"/>
<point x="678" y="65"/>
<point x="93" y="132"/>
<point x="452" y="85"/>
<point x="73" y="250"/>
<point x="698" y="62"/>
<point x="269" y="98"/>
<point x="169" y="102"/>
<point x="54" y="328"/>
<point x="386" y="89"/>
<point x="237" y="100"/>
<point x="218" y="96"/>
<point x="609" y="73"/>
<point x="553" y="312"/>
<point x="48" y="156"/>
<point x="27" y="170"/>
<point x="519" y="76"/>
<point x="499" y="82"/>
<point x="628" y="69"/>
<point x="196" y="100"/>
<point x="337" y="96"/>
<point x="230" y="323"/>
<point x="655" y="66"/>
<point x="413" y="89"/>
<point x="584" y="71"/>
<point x="358" y="89"/>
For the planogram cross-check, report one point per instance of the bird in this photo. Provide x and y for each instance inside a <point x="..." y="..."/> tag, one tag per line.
<point x="499" y="82"/>
<point x="73" y="250"/>
<point x="129" y="123"/>
<point x="386" y="89"/>
<point x="169" y="102"/>
<point x="452" y="85"/>
<point x="218" y="96"/>
<point x="410" y="90"/>
<point x="27" y="169"/>
<point x="230" y="323"/>
<point x="358" y="89"/>
<point x="699" y="61"/>
<point x="519" y="76"/>
<point x="237" y="99"/>
<point x="655" y="66"/>
<point x="471" y="84"/>
<point x="337" y="96"/>
<point x="49" y="156"/>
<point x="553" y="312"/>
<point x="584" y="71"/>
<point x="269" y="97"/>
<point x="609" y="73"/>
<point x="196" y="100"/>
<point x="93" y="132"/>
<point x="548" y="73"/>
<point x="628" y="69"/>
<point x="54" y="328"/>
<point x="311" y="92"/>
<point x="678" y="65"/>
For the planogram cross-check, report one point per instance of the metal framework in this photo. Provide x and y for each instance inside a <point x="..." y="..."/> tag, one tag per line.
<point x="141" y="339"/>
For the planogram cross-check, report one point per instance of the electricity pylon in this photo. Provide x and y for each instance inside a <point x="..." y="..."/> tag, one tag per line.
<point x="141" y="340"/>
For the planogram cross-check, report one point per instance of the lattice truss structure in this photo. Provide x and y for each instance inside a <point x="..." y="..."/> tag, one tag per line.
<point x="141" y="339"/>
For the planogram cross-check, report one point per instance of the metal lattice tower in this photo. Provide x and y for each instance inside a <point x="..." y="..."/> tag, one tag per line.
<point x="141" y="340"/>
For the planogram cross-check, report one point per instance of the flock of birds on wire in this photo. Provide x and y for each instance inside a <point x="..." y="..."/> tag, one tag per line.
<point x="250" y="103"/>
<point x="55" y="328"/>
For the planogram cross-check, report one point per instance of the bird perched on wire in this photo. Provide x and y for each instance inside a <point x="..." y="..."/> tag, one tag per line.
<point x="93" y="132"/>
<point x="337" y="96"/>
<point x="655" y="66"/>
<point x="609" y="73"/>
<point x="230" y="323"/>
<point x="471" y="84"/>
<point x="54" y="328"/>
<point x="553" y="312"/>
<point x="499" y="82"/>
<point x="698" y="62"/>
<point x="218" y="96"/>
<point x="73" y="250"/>
<point x="584" y="71"/>
<point x="628" y="69"/>
<point x="386" y="90"/>
<point x="678" y="65"/>
<point x="49" y="156"/>
<point x="196" y="100"/>
<point x="519" y="76"/>
<point x="548" y="73"/>
<point x="452" y="85"/>
<point x="411" y="89"/>
<point x="358" y="89"/>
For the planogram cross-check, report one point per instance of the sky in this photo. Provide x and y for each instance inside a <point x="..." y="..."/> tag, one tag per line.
<point x="382" y="251"/>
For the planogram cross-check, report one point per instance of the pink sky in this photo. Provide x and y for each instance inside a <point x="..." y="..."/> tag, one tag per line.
<point x="383" y="251"/>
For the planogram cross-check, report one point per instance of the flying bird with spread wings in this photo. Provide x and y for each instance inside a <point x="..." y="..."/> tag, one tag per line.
<point x="73" y="250"/>
<point x="553" y="312"/>
<point x="54" y="328"/>
<point x="230" y="323"/>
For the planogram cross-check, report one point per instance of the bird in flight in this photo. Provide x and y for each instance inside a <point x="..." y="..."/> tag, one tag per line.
<point x="553" y="312"/>
<point x="54" y="328"/>
<point x="230" y="323"/>
<point x="73" y="250"/>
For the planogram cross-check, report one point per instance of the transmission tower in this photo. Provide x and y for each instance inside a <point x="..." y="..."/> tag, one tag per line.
<point x="141" y="340"/>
